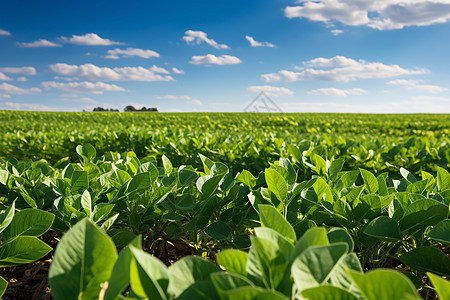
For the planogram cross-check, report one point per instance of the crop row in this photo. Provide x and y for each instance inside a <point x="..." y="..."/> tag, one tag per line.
<point x="314" y="219"/>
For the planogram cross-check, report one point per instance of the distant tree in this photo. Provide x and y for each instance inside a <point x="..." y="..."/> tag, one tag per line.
<point x="104" y="109"/>
<point x="129" y="108"/>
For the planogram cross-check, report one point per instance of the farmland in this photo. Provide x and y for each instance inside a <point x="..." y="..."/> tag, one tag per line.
<point x="227" y="205"/>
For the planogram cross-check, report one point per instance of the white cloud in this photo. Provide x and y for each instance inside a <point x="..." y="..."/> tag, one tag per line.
<point x="270" y="90"/>
<point x="83" y="87"/>
<point x="215" y="60"/>
<point x="4" y="32"/>
<point x="415" y="85"/>
<point x="336" y="32"/>
<point x="334" y="92"/>
<point x="378" y="14"/>
<point x="177" y="71"/>
<point x="340" y="68"/>
<point x="22" y="79"/>
<point x="194" y="102"/>
<point x="129" y="52"/>
<point x="198" y="37"/>
<point x="157" y="69"/>
<point x="254" y="43"/>
<point x="93" y="72"/>
<point x="78" y="99"/>
<point x="4" y="77"/>
<point x="39" y="43"/>
<point x="89" y="39"/>
<point x="14" y="90"/>
<point x="173" y="97"/>
<point x="29" y="106"/>
<point x="21" y="70"/>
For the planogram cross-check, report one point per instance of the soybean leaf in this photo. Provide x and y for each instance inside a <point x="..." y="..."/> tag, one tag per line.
<point x="200" y="290"/>
<point x="383" y="228"/>
<point x="7" y="216"/>
<point x="224" y="282"/>
<point x="271" y="218"/>
<point x="407" y="175"/>
<point x="254" y="293"/>
<point x="422" y="213"/>
<point x="3" y="286"/>
<point x="22" y="250"/>
<point x="187" y="271"/>
<point x="443" y="179"/>
<point x="369" y="284"/>
<point x="441" y="231"/>
<point x="370" y="181"/>
<point x="148" y="275"/>
<point x="442" y="286"/>
<point x="315" y="236"/>
<point x="86" y="203"/>
<point x="327" y="292"/>
<point x="29" y="222"/>
<point x="84" y="259"/>
<point x="336" y="235"/>
<point x="233" y="261"/>
<point x="87" y="152"/>
<point x="219" y="230"/>
<point x="167" y="164"/>
<point x="427" y="259"/>
<point x="276" y="184"/>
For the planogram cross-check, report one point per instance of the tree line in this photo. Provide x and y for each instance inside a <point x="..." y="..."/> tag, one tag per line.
<point x="128" y="108"/>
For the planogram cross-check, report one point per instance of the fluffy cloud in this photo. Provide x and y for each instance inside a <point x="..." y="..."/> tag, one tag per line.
<point x="22" y="79"/>
<point x="173" y="97"/>
<point x="157" y="69"/>
<point x="4" y="77"/>
<point x="378" y="14"/>
<point x="129" y="52"/>
<point x="29" y="106"/>
<point x="83" y="87"/>
<point x="14" y="90"/>
<point x="93" y="72"/>
<point x="415" y="85"/>
<point x="21" y="70"/>
<point x="336" y="32"/>
<point x="194" y="102"/>
<point x="270" y="90"/>
<point x="39" y="43"/>
<point x="198" y="37"/>
<point x="211" y="59"/>
<point x="340" y="68"/>
<point x="89" y="39"/>
<point x="177" y="71"/>
<point x="254" y="43"/>
<point x="4" y="32"/>
<point x="333" y="92"/>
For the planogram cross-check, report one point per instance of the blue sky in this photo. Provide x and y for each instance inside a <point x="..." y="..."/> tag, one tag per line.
<point x="307" y="56"/>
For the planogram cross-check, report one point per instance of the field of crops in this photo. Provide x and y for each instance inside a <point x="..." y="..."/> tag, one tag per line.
<point x="224" y="206"/>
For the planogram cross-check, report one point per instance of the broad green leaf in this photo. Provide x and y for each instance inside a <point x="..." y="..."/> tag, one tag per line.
<point x="22" y="250"/>
<point x="443" y="179"/>
<point x="186" y="271"/>
<point x="29" y="222"/>
<point x="246" y="178"/>
<point x="442" y="286"/>
<point x="186" y="176"/>
<point x="148" y="275"/>
<point x="407" y="175"/>
<point x="185" y="202"/>
<point x="422" y="213"/>
<point x="271" y="218"/>
<point x="374" y="285"/>
<point x="427" y="259"/>
<point x="84" y="259"/>
<point x="254" y="293"/>
<point x="3" y="286"/>
<point x="383" y="228"/>
<point x="219" y="230"/>
<point x="315" y="236"/>
<point x="86" y="203"/>
<point x="224" y="282"/>
<point x="140" y="182"/>
<point x="336" y="235"/>
<point x="200" y="290"/>
<point x="339" y="276"/>
<point x="7" y="216"/>
<point x="335" y="167"/>
<point x="441" y="231"/>
<point x="292" y="177"/>
<point x="276" y="184"/>
<point x="322" y="189"/>
<point x="87" y="152"/>
<point x="207" y="185"/>
<point x="4" y="175"/>
<point x="327" y="292"/>
<point x="314" y="266"/>
<point x="370" y="181"/>
<point x="120" y="274"/>
<point x="79" y="182"/>
<point x="233" y="261"/>
<point x="320" y="164"/>
<point x="167" y="164"/>
<point x="207" y="163"/>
